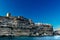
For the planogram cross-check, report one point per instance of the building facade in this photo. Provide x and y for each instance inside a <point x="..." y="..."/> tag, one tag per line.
<point x="44" y="29"/>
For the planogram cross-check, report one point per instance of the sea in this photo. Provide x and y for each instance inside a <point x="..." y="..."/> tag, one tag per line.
<point x="31" y="38"/>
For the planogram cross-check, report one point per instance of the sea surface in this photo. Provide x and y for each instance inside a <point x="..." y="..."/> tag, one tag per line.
<point x="31" y="38"/>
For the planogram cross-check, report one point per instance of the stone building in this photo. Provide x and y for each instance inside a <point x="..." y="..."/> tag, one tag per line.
<point x="44" y="29"/>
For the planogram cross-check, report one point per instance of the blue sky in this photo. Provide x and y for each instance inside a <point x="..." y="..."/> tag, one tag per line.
<point x="44" y="11"/>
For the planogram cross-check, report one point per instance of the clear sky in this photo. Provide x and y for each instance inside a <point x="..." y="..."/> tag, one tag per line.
<point x="44" y="11"/>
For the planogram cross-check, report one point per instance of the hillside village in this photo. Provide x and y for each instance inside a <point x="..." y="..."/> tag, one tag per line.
<point x="21" y="26"/>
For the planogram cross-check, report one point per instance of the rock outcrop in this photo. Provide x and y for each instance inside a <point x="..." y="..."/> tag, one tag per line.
<point x="20" y="26"/>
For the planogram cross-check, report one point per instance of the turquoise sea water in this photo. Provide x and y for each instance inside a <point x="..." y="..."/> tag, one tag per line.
<point x="31" y="38"/>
